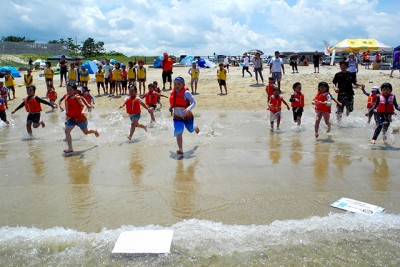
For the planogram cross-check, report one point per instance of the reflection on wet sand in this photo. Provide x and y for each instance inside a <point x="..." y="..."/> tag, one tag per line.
<point x="342" y="157"/>
<point x="136" y="167"/>
<point x="296" y="148"/>
<point x="321" y="162"/>
<point x="381" y="173"/>
<point x="36" y="160"/>
<point x="183" y="202"/>
<point x="275" y="148"/>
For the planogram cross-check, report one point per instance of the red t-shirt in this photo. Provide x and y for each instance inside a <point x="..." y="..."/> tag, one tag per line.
<point x="167" y="63"/>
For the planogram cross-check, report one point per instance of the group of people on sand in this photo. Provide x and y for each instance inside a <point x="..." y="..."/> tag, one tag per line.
<point x="381" y="103"/>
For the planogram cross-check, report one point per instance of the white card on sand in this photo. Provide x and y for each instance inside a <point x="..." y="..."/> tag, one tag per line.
<point x="144" y="241"/>
<point x="356" y="206"/>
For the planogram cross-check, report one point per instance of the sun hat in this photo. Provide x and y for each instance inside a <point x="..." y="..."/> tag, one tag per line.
<point x="180" y="79"/>
<point x="375" y="88"/>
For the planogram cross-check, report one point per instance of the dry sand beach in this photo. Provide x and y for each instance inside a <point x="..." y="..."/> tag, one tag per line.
<point x="241" y="194"/>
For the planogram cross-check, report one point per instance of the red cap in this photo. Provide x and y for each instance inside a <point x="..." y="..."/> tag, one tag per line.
<point x="165" y="54"/>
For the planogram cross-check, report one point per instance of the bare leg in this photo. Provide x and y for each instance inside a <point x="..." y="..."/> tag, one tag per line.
<point x="29" y="127"/>
<point x="316" y="126"/>
<point x="68" y="137"/>
<point x="179" y="140"/>
<point x="278" y="121"/>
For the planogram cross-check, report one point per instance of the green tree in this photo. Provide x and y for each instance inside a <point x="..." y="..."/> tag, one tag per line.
<point x="16" y="39"/>
<point x="88" y="47"/>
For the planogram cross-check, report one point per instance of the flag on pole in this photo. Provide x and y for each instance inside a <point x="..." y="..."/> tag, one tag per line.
<point x="327" y="51"/>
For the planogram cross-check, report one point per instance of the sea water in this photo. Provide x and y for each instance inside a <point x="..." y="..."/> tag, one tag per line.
<point x="242" y="194"/>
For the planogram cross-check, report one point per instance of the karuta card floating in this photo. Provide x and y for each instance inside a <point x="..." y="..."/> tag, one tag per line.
<point x="356" y="206"/>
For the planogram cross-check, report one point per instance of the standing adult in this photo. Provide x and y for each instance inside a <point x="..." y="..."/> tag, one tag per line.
<point x="107" y="73"/>
<point x="293" y="62"/>
<point x="258" y="67"/>
<point x="343" y="84"/>
<point x="30" y="62"/>
<point x="226" y="63"/>
<point x="245" y="67"/>
<point x="396" y="62"/>
<point x="181" y="104"/>
<point x="167" y="65"/>
<point x="316" y="60"/>
<point x="353" y="65"/>
<point x="276" y="68"/>
<point x="63" y="70"/>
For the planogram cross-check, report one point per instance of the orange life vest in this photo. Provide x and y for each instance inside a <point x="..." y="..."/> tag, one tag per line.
<point x="2" y="106"/>
<point x="151" y="98"/>
<point x="269" y="89"/>
<point x="72" y="107"/>
<point x="322" y="98"/>
<point x="371" y="101"/>
<point x="300" y="103"/>
<point x="52" y="95"/>
<point x="177" y="99"/>
<point x="87" y="98"/>
<point x="275" y="103"/>
<point x="32" y="105"/>
<point x="132" y="105"/>
<point x="386" y="104"/>
<point x="3" y="91"/>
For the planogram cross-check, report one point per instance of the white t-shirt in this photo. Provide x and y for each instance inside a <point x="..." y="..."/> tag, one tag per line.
<point x="352" y="64"/>
<point x="245" y="61"/>
<point x="276" y="64"/>
<point x="107" y="69"/>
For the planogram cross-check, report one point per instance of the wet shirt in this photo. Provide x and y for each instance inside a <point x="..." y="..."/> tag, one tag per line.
<point x="344" y="81"/>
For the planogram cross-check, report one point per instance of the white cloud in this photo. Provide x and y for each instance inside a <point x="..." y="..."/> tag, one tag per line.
<point x="143" y="27"/>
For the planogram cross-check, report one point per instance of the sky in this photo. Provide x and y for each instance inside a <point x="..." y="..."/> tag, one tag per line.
<point x="204" y="27"/>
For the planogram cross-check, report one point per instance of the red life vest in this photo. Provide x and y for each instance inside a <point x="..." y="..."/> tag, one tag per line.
<point x="269" y="89"/>
<point x="72" y="107"/>
<point x="275" y="103"/>
<point x="322" y="98"/>
<point x="87" y="98"/>
<point x="32" y="105"/>
<point x="300" y="103"/>
<point x="386" y="104"/>
<point x="151" y="98"/>
<point x="2" y="106"/>
<point x="3" y="91"/>
<point x="177" y="99"/>
<point x="371" y="101"/>
<point x="132" y="105"/>
<point x="52" y="95"/>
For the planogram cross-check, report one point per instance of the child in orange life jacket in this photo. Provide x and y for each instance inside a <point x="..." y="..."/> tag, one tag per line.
<point x="4" y="92"/>
<point x="323" y="103"/>
<point x="385" y="105"/>
<point x="87" y="96"/>
<point x="158" y="90"/>
<point x="133" y="103"/>
<point x="33" y="107"/>
<point x="275" y="107"/>
<point x="371" y="102"/>
<point x="297" y="100"/>
<point x="75" y="112"/>
<point x="3" y="115"/>
<point x="51" y="94"/>
<point x="151" y="100"/>
<point x="221" y="77"/>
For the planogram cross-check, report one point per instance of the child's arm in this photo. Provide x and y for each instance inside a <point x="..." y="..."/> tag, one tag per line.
<point x="145" y="106"/>
<point x="365" y="93"/>
<point x="85" y="103"/>
<point x="123" y="104"/>
<point x="61" y="100"/>
<point x="284" y="102"/>
<point x="91" y="97"/>
<point x="19" y="107"/>
<point x="38" y="99"/>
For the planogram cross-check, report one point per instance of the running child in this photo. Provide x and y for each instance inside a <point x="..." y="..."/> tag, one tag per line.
<point x="158" y="90"/>
<point x="371" y="102"/>
<point x="100" y="80"/>
<point x="151" y="100"/>
<point x="4" y="93"/>
<point x="269" y="88"/>
<point x="51" y="94"/>
<point x="384" y="106"/>
<point x="194" y="72"/>
<point x="141" y="76"/>
<point x="28" y="78"/>
<point x="3" y="114"/>
<point x="323" y="103"/>
<point x="132" y="104"/>
<point x="275" y="107"/>
<point x="48" y="73"/>
<point x="32" y="106"/>
<point x="221" y="77"/>
<point x="75" y="112"/>
<point x="87" y="96"/>
<point x="297" y="103"/>
<point x="10" y="83"/>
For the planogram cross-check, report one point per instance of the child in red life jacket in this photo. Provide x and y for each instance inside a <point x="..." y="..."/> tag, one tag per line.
<point x="4" y="92"/>
<point x="297" y="100"/>
<point x="151" y="100"/>
<point x="132" y="104"/>
<point x="385" y="105"/>
<point x="371" y="102"/>
<point x="275" y="107"/>
<point x="75" y="115"/>
<point x="32" y="105"/>
<point x="158" y="90"/>
<point x="51" y="94"/>
<point x="323" y="103"/>
<point x="3" y="115"/>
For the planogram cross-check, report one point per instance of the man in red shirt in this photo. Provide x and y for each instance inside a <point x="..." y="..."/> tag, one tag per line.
<point x="166" y="65"/>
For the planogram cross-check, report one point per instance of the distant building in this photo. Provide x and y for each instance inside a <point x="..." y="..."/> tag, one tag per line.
<point x="16" y="48"/>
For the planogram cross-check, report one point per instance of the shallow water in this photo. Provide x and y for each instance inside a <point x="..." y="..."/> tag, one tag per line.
<point x="241" y="194"/>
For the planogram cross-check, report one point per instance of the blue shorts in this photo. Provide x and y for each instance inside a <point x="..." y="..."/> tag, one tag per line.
<point x="134" y="116"/>
<point x="81" y="125"/>
<point x="179" y="126"/>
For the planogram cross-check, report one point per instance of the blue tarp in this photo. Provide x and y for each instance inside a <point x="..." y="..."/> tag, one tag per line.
<point x="396" y="48"/>
<point x="206" y="63"/>
<point x="91" y="67"/>
<point x="14" y="72"/>
<point x="157" y="62"/>
<point x="187" y="61"/>
<point x="113" y="61"/>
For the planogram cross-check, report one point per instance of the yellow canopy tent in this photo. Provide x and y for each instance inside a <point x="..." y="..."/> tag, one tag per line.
<point x="359" y="45"/>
